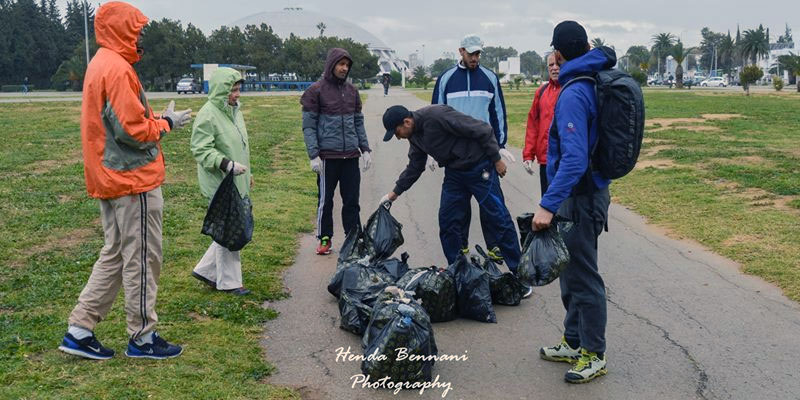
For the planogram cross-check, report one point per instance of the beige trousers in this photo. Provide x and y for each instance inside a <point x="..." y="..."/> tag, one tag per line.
<point x="222" y="266"/>
<point x="131" y="258"/>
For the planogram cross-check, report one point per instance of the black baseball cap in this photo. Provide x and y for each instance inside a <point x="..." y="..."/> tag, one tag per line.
<point x="393" y="117"/>
<point x="569" y="35"/>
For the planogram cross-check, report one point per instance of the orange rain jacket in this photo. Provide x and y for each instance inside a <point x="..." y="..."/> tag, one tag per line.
<point x="120" y="135"/>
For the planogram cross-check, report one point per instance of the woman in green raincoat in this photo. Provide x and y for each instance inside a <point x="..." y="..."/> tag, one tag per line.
<point x="220" y="145"/>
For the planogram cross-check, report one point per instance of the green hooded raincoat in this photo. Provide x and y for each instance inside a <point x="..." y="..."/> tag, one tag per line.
<point x="219" y="133"/>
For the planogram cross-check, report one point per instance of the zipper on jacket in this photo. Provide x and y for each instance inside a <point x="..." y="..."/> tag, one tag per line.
<point x="341" y="92"/>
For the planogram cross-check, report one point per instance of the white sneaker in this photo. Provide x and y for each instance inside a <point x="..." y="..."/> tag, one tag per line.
<point x="528" y="293"/>
<point x="589" y="366"/>
<point x="560" y="352"/>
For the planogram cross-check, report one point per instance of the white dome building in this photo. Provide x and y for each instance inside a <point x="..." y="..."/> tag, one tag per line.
<point x="303" y="23"/>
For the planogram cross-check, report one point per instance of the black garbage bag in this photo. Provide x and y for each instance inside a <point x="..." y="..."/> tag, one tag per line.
<point x="383" y="233"/>
<point x="505" y="287"/>
<point x="384" y="310"/>
<point x="356" y="275"/>
<point x="353" y="247"/>
<point x="473" y="295"/>
<point x="544" y="254"/>
<point x="229" y="219"/>
<point x="435" y="288"/>
<point x="394" y="267"/>
<point x="402" y="326"/>
<point x="355" y="307"/>
<point x="524" y="225"/>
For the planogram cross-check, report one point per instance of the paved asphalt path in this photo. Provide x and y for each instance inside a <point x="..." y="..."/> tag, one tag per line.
<point x="683" y="323"/>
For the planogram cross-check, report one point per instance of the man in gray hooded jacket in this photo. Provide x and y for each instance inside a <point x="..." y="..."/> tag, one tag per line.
<point x="333" y="130"/>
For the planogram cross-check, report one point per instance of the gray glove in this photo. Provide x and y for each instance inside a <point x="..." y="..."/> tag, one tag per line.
<point x="179" y="118"/>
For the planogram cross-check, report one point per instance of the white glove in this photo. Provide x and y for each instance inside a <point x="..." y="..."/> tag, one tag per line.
<point x="384" y="199"/>
<point x="179" y="118"/>
<point x="507" y="155"/>
<point x="431" y="164"/>
<point x="367" y="160"/>
<point x="316" y="165"/>
<point x="528" y="165"/>
<point x="238" y="169"/>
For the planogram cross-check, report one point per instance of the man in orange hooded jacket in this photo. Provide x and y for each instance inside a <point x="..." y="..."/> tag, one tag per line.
<point x="539" y="119"/>
<point x="124" y="169"/>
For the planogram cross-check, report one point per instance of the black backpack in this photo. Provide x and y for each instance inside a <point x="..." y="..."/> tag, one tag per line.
<point x="620" y="122"/>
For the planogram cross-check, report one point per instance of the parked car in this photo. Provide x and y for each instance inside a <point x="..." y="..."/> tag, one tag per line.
<point x="714" y="81"/>
<point x="187" y="85"/>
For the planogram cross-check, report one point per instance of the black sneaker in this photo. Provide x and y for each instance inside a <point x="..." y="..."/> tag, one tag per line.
<point x="205" y="280"/>
<point x="88" y="347"/>
<point x="160" y="349"/>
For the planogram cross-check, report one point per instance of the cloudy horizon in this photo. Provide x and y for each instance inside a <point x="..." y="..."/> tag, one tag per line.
<point x="437" y="27"/>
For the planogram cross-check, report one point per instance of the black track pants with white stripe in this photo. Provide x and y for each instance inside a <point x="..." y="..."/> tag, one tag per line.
<point x="345" y="174"/>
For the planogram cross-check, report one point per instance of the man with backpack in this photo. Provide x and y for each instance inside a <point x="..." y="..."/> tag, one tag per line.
<point x="583" y="156"/>
<point x="539" y="118"/>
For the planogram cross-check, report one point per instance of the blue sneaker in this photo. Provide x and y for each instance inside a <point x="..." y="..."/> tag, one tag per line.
<point x="160" y="349"/>
<point x="88" y="347"/>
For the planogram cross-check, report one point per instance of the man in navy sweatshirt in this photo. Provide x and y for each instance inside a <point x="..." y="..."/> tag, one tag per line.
<point x="581" y="195"/>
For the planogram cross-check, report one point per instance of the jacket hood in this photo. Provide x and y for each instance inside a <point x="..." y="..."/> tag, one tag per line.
<point x="220" y="84"/>
<point x="334" y="56"/>
<point x="117" y="27"/>
<point x="595" y="60"/>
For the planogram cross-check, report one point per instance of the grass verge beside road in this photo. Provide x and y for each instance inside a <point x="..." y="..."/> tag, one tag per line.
<point x="53" y="236"/>
<point x="716" y="167"/>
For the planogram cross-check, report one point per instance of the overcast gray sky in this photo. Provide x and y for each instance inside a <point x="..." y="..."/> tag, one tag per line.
<point x="523" y="24"/>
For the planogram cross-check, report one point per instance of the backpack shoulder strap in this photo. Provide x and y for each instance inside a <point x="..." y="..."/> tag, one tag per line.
<point x="541" y="90"/>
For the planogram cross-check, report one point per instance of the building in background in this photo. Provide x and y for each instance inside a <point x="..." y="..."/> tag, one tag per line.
<point x="508" y="67"/>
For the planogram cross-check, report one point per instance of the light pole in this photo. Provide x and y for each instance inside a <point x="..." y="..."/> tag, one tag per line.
<point x="86" y="31"/>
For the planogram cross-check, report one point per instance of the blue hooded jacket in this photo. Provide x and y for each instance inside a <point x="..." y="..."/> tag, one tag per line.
<point x="576" y="112"/>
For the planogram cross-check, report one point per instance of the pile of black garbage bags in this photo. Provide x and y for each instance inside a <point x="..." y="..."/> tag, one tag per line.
<point x="393" y="306"/>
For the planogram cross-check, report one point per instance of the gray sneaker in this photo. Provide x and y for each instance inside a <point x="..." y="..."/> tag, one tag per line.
<point x="589" y="366"/>
<point x="560" y="353"/>
<point x="528" y="293"/>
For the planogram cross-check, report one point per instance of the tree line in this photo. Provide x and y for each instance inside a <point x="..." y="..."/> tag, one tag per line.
<point x="37" y="43"/>
<point x="721" y="52"/>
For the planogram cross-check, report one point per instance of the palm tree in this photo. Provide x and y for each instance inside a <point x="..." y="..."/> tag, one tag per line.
<point x="597" y="42"/>
<point x="726" y="51"/>
<point x="662" y="42"/>
<point x="791" y="62"/>
<point x="755" y="44"/>
<point x="679" y="54"/>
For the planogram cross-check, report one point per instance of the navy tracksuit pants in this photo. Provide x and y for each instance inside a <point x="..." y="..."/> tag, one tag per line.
<point x="583" y="292"/>
<point x="345" y="173"/>
<point x="458" y="188"/>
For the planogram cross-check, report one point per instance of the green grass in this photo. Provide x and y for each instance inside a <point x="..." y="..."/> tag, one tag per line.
<point x="735" y="190"/>
<point x="53" y="237"/>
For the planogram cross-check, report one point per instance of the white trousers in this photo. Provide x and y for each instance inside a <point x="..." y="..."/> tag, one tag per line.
<point x="222" y="266"/>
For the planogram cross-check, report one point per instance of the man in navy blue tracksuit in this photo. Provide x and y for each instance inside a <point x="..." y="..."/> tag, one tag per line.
<point x="475" y="90"/>
<point x="581" y="195"/>
<point x="468" y="150"/>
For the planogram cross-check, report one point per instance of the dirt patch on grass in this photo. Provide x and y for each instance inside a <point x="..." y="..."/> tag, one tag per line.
<point x="693" y="128"/>
<point x="653" y="150"/>
<point x="720" y="117"/>
<point x="740" y="239"/>
<point x="657" y="164"/>
<point x="197" y="317"/>
<point x="758" y="199"/>
<point x="65" y="240"/>
<point x="665" y="122"/>
<point x="655" y="141"/>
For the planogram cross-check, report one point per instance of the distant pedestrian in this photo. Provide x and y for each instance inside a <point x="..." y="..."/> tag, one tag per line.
<point x="25" y="85"/>
<point x="335" y="137"/>
<point x="539" y="118"/>
<point x="579" y="194"/>
<point x="475" y="90"/>
<point x="124" y="168"/>
<point x="386" y="81"/>
<point x="220" y="145"/>
<point x="467" y="149"/>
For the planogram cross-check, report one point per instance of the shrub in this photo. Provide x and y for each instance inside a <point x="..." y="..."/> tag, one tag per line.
<point x="639" y="76"/>
<point x="749" y="75"/>
<point x="777" y="82"/>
